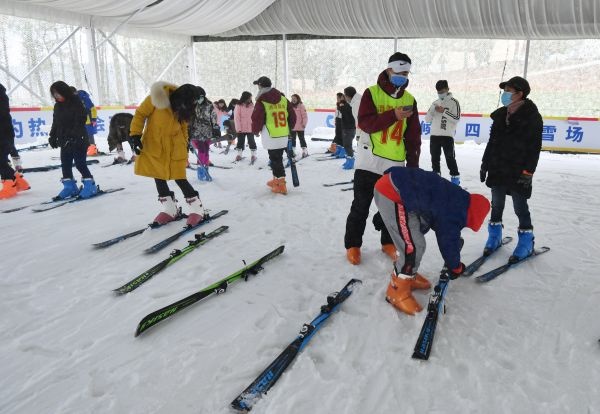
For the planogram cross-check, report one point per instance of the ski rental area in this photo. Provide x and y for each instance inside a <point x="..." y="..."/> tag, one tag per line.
<point x="287" y="206"/>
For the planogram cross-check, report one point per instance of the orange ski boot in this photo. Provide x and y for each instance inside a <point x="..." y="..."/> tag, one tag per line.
<point x="92" y="150"/>
<point x="9" y="189"/>
<point x="353" y="255"/>
<point x="332" y="148"/>
<point x="399" y="295"/>
<point x="279" y="186"/>
<point x="21" y="183"/>
<point x="390" y="250"/>
<point x="420" y="282"/>
<point x="271" y="182"/>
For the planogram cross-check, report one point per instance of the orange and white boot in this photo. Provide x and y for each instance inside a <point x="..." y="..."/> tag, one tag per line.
<point x="353" y="255"/>
<point x="9" y="189"/>
<point x="399" y="294"/>
<point x="21" y="183"/>
<point x="332" y="148"/>
<point x="390" y="250"/>
<point x="279" y="186"/>
<point x="420" y="282"/>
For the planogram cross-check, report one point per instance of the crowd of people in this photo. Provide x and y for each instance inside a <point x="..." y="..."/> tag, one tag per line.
<point x="377" y="134"/>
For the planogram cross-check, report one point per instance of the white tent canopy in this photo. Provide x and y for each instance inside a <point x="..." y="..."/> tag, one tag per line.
<point x="515" y="19"/>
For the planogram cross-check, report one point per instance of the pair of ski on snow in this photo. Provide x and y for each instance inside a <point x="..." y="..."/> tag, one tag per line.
<point x="247" y="398"/>
<point x="59" y="202"/>
<point x="436" y="304"/>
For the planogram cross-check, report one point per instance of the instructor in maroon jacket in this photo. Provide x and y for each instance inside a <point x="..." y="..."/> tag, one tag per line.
<point x="391" y="137"/>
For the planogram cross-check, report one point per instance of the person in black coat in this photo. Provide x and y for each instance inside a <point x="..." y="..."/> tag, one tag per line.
<point x="68" y="132"/>
<point x="510" y="160"/>
<point x="11" y="182"/>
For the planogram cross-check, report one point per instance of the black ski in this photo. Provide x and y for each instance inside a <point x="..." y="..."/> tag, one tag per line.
<point x="340" y="183"/>
<point x="472" y="268"/>
<point x="347" y="189"/>
<point x="122" y="237"/>
<point x="52" y="167"/>
<point x="329" y="158"/>
<point x="494" y="273"/>
<point x="33" y="147"/>
<point x="175" y="255"/>
<point x="246" y="400"/>
<point x="218" y="287"/>
<point x="162" y="244"/>
<point x="322" y="139"/>
<point x="293" y="170"/>
<point x="434" y="308"/>
<point x="59" y="203"/>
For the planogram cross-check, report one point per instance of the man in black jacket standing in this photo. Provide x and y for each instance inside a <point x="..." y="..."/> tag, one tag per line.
<point x="509" y="161"/>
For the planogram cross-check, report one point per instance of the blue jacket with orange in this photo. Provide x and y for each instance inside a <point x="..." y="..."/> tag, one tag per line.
<point x="440" y="205"/>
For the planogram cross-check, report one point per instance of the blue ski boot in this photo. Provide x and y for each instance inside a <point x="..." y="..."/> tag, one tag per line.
<point x="494" y="238"/>
<point x="341" y="153"/>
<point x="524" y="246"/>
<point x="69" y="189"/>
<point x="201" y="173"/>
<point x="208" y="177"/>
<point x="349" y="164"/>
<point x="89" y="189"/>
<point x="455" y="179"/>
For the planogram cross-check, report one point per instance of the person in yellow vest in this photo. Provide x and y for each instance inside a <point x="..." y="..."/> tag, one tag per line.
<point x="390" y="137"/>
<point x="159" y="135"/>
<point x="271" y="118"/>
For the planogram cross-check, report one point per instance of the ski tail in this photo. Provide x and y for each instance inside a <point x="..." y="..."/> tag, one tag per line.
<point x="473" y="267"/>
<point x="261" y="385"/>
<point x="118" y="239"/>
<point x="293" y="170"/>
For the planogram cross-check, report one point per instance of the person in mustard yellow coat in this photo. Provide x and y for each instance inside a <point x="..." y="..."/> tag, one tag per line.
<point x="159" y="135"/>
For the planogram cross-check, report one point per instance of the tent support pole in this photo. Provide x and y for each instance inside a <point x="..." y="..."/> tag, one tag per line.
<point x="286" y="78"/>
<point x="526" y="58"/>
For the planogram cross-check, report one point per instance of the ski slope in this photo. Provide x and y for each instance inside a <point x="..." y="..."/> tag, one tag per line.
<point x="526" y="342"/>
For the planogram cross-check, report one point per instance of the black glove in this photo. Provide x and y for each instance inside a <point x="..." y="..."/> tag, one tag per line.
<point x="136" y="143"/>
<point x="53" y="141"/>
<point x="482" y="174"/>
<point x="455" y="273"/>
<point x="525" y="180"/>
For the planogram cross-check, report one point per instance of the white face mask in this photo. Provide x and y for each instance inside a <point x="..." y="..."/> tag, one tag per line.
<point x="442" y="95"/>
<point x="200" y="100"/>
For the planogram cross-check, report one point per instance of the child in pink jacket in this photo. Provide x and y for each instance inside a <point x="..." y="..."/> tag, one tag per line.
<point x="300" y="126"/>
<point x="242" y="114"/>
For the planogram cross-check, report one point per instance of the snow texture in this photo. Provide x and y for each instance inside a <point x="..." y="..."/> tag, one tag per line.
<point x="525" y="343"/>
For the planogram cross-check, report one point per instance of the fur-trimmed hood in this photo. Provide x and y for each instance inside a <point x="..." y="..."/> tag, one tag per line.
<point x="160" y="92"/>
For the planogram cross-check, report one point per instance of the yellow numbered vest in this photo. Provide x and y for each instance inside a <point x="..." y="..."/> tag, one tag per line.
<point x="276" y="118"/>
<point x="389" y="143"/>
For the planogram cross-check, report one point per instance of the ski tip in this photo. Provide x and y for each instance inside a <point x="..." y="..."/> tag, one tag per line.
<point x="419" y="355"/>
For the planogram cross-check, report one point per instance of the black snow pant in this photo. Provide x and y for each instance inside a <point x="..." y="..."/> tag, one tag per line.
<point x="436" y="144"/>
<point x="337" y="139"/>
<point x="185" y="186"/>
<point x="241" y="140"/>
<point x="276" y="157"/>
<point x="6" y="172"/>
<point x="348" y="136"/>
<point x="364" y="185"/>
<point x="300" y="135"/>
<point x="72" y="153"/>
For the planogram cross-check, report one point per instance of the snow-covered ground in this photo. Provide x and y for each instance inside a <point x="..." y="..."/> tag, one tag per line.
<point x="525" y="343"/>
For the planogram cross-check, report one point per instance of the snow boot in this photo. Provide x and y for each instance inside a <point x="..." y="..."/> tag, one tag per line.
<point x="494" y="237"/>
<point x="196" y="212"/>
<point x="238" y="157"/>
<point x="89" y="189"/>
<point x="253" y="157"/>
<point x="390" y="250"/>
<point x="92" y="150"/>
<point x="120" y="158"/>
<point x="170" y="210"/>
<point x="455" y="179"/>
<point x="304" y="152"/>
<point x="353" y="255"/>
<point x="21" y="183"/>
<point x="279" y="186"/>
<point x="332" y="148"/>
<point x="524" y="246"/>
<point x="9" y="189"/>
<point x="349" y="164"/>
<point x="69" y="189"/>
<point x="399" y="294"/>
<point x="420" y="282"/>
<point x="201" y="173"/>
<point x="271" y="182"/>
<point x="208" y="176"/>
<point x="17" y="165"/>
